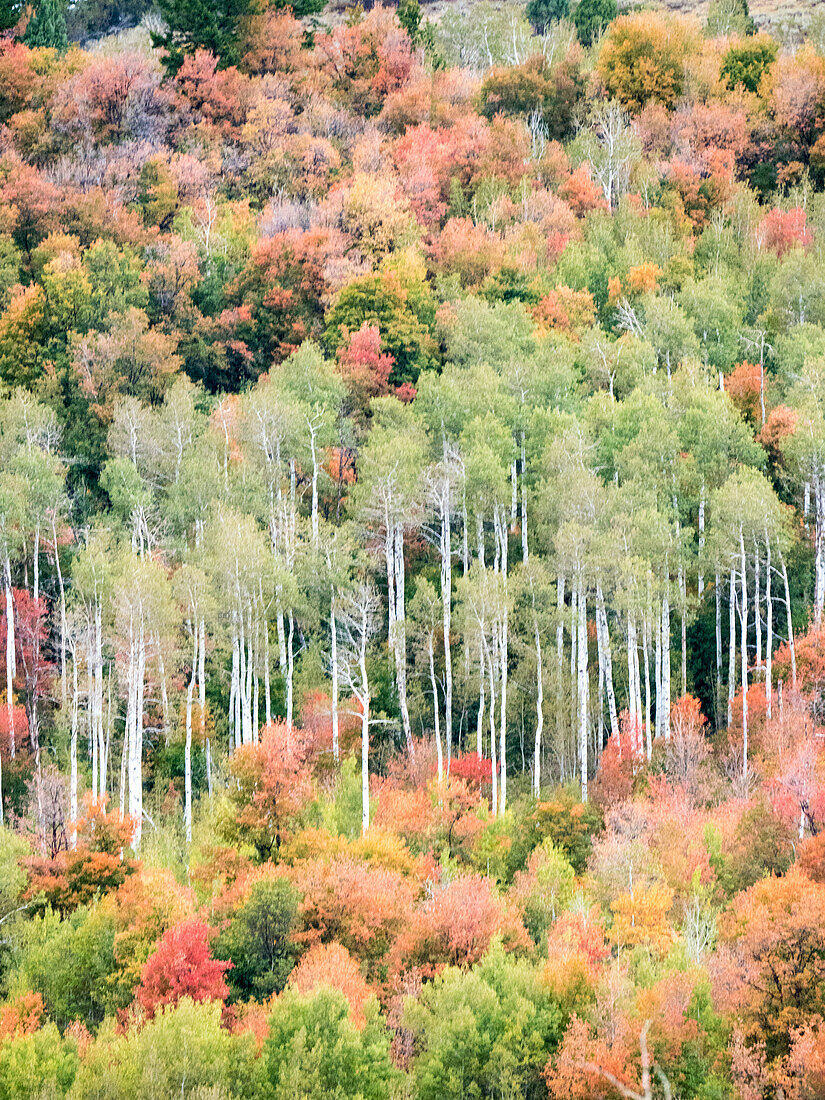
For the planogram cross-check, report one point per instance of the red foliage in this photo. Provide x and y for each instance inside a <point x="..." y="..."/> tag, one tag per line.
<point x="363" y="366"/>
<point x="455" y="927"/>
<point x="743" y="386"/>
<point x="182" y="966"/>
<point x="472" y="767"/>
<point x="782" y="230"/>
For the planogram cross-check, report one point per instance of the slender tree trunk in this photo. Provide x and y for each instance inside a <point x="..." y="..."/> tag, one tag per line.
<point x="11" y="666"/>
<point x="559" y="658"/>
<point x="666" y="668"/>
<point x="819" y="550"/>
<point x="524" y="548"/>
<point x="62" y="590"/>
<point x="492" y="684"/>
<point x="701" y="579"/>
<point x="482" y="672"/>
<point x="333" y="633"/>
<point x="718" y="594"/>
<point x="290" y="669"/>
<point x="365" y="724"/>
<point x="769" y="627"/>
<point x="73" y="757"/>
<point x="606" y="657"/>
<point x="582" y="677"/>
<point x="539" y="708"/>
<point x="744" y="623"/>
<point x="446" y="610"/>
<point x="757" y="608"/>
<point x="187" y="752"/>
<point x="732" y="646"/>
<point x="202" y="704"/>
<point x="646" y="647"/>
<point x="789" y="617"/>
<point x="658" y="673"/>
<point x="436" y="721"/>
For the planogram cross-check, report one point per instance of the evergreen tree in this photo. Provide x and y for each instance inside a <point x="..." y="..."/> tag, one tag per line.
<point x="592" y="16"/>
<point x="47" y="27"/>
<point x="202" y="24"/>
<point x="542" y="12"/>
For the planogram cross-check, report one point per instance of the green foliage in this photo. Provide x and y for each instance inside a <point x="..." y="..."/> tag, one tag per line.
<point x="542" y="12"/>
<point x="47" y="27"/>
<point x="69" y="962"/>
<point x="182" y="1052"/>
<point x="258" y="941"/>
<point x="747" y="63"/>
<point x="36" y="1066"/>
<point x="483" y="1032"/>
<point x="199" y="24"/>
<point x="314" y="1051"/>
<point x="591" y="17"/>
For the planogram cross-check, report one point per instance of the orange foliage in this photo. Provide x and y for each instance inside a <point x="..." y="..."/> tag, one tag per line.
<point x="98" y="862"/>
<point x="644" y="278"/>
<point x="743" y="386"/>
<point x="332" y="965"/>
<point x="581" y="193"/>
<point x="782" y="230"/>
<point x="21" y="1016"/>
<point x="568" y="310"/>
<point x="456" y="925"/>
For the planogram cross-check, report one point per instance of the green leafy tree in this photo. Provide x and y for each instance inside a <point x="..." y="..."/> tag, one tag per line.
<point x="201" y="25"/>
<point x="484" y="1033"/>
<point x="315" y="1051"/>
<point x="258" y="941"/>
<point x="37" y="1065"/>
<point x="747" y="63"/>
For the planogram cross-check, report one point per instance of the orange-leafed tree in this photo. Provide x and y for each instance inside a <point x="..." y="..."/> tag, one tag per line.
<point x="99" y="861"/>
<point x="456" y="926"/>
<point x="271" y="784"/>
<point x="332" y="965"/>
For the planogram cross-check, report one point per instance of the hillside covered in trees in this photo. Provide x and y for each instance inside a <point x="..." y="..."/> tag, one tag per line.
<point x="412" y="554"/>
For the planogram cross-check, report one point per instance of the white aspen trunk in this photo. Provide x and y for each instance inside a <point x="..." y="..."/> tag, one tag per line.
<point x="202" y="703"/>
<point x="333" y="632"/>
<point x="791" y="645"/>
<point x="757" y="608"/>
<point x="606" y="657"/>
<point x="492" y="685"/>
<point x="732" y="646"/>
<point x="819" y="550"/>
<point x="103" y="750"/>
<point x="559" y="655"/>
<point x="574" y="665"/>
<point x="718" y="594"/>
<point x="400" y="633"/>
<point x="481" y="675"/>
<point x="279" y="626"/>
<point x="36" y="564"/>
<point x="62" y="589"/>
<point x="502" y="804"/>
<point x="267" y="681"/>
<point x="465" y="539"/>
<point x="73" y="758"/>
<point x="631" y="693"/>
<point x="513" y="494"/>
<point x="446" y="621"/>
<point x="769" y="626"/>
<point x="233" y="692"/>
<point x="290" y="670"/>
<point x="646" y="648"/>
<point x="524" y="549"/>
<point x="582" y="678"/>
<point x="744" y="623"/>
<point x="701" y="579"/>
<point x="436" y="722"/>
<point x="365" y="724"/>
<point x="187" y="752"/>
<point x="90" y="714"/>
<point x="315" y="533"/>
<point x="658" y="674"/>
<point x="164" y="695"/>
<point x="11" y="667"/>
<point x="539" y="709"/>
<point x="666" y="667"/>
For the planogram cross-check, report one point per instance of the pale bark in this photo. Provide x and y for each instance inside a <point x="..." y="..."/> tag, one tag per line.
<point x="436" y="721"/>
<point x="333" y="629"/>
<point x="789" y="617"/>
<point x="582" y="688"/>
<point x="606" y="660"/>
<point x="732" y="645"/>
<point x="744" y="624"/>
<point x="769" y="629"/>
<point x="187" y="752"/>
<point x="11" y="667"/>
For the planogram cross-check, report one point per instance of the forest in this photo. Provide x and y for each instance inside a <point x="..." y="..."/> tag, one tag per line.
<point x="412" y="552"/>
